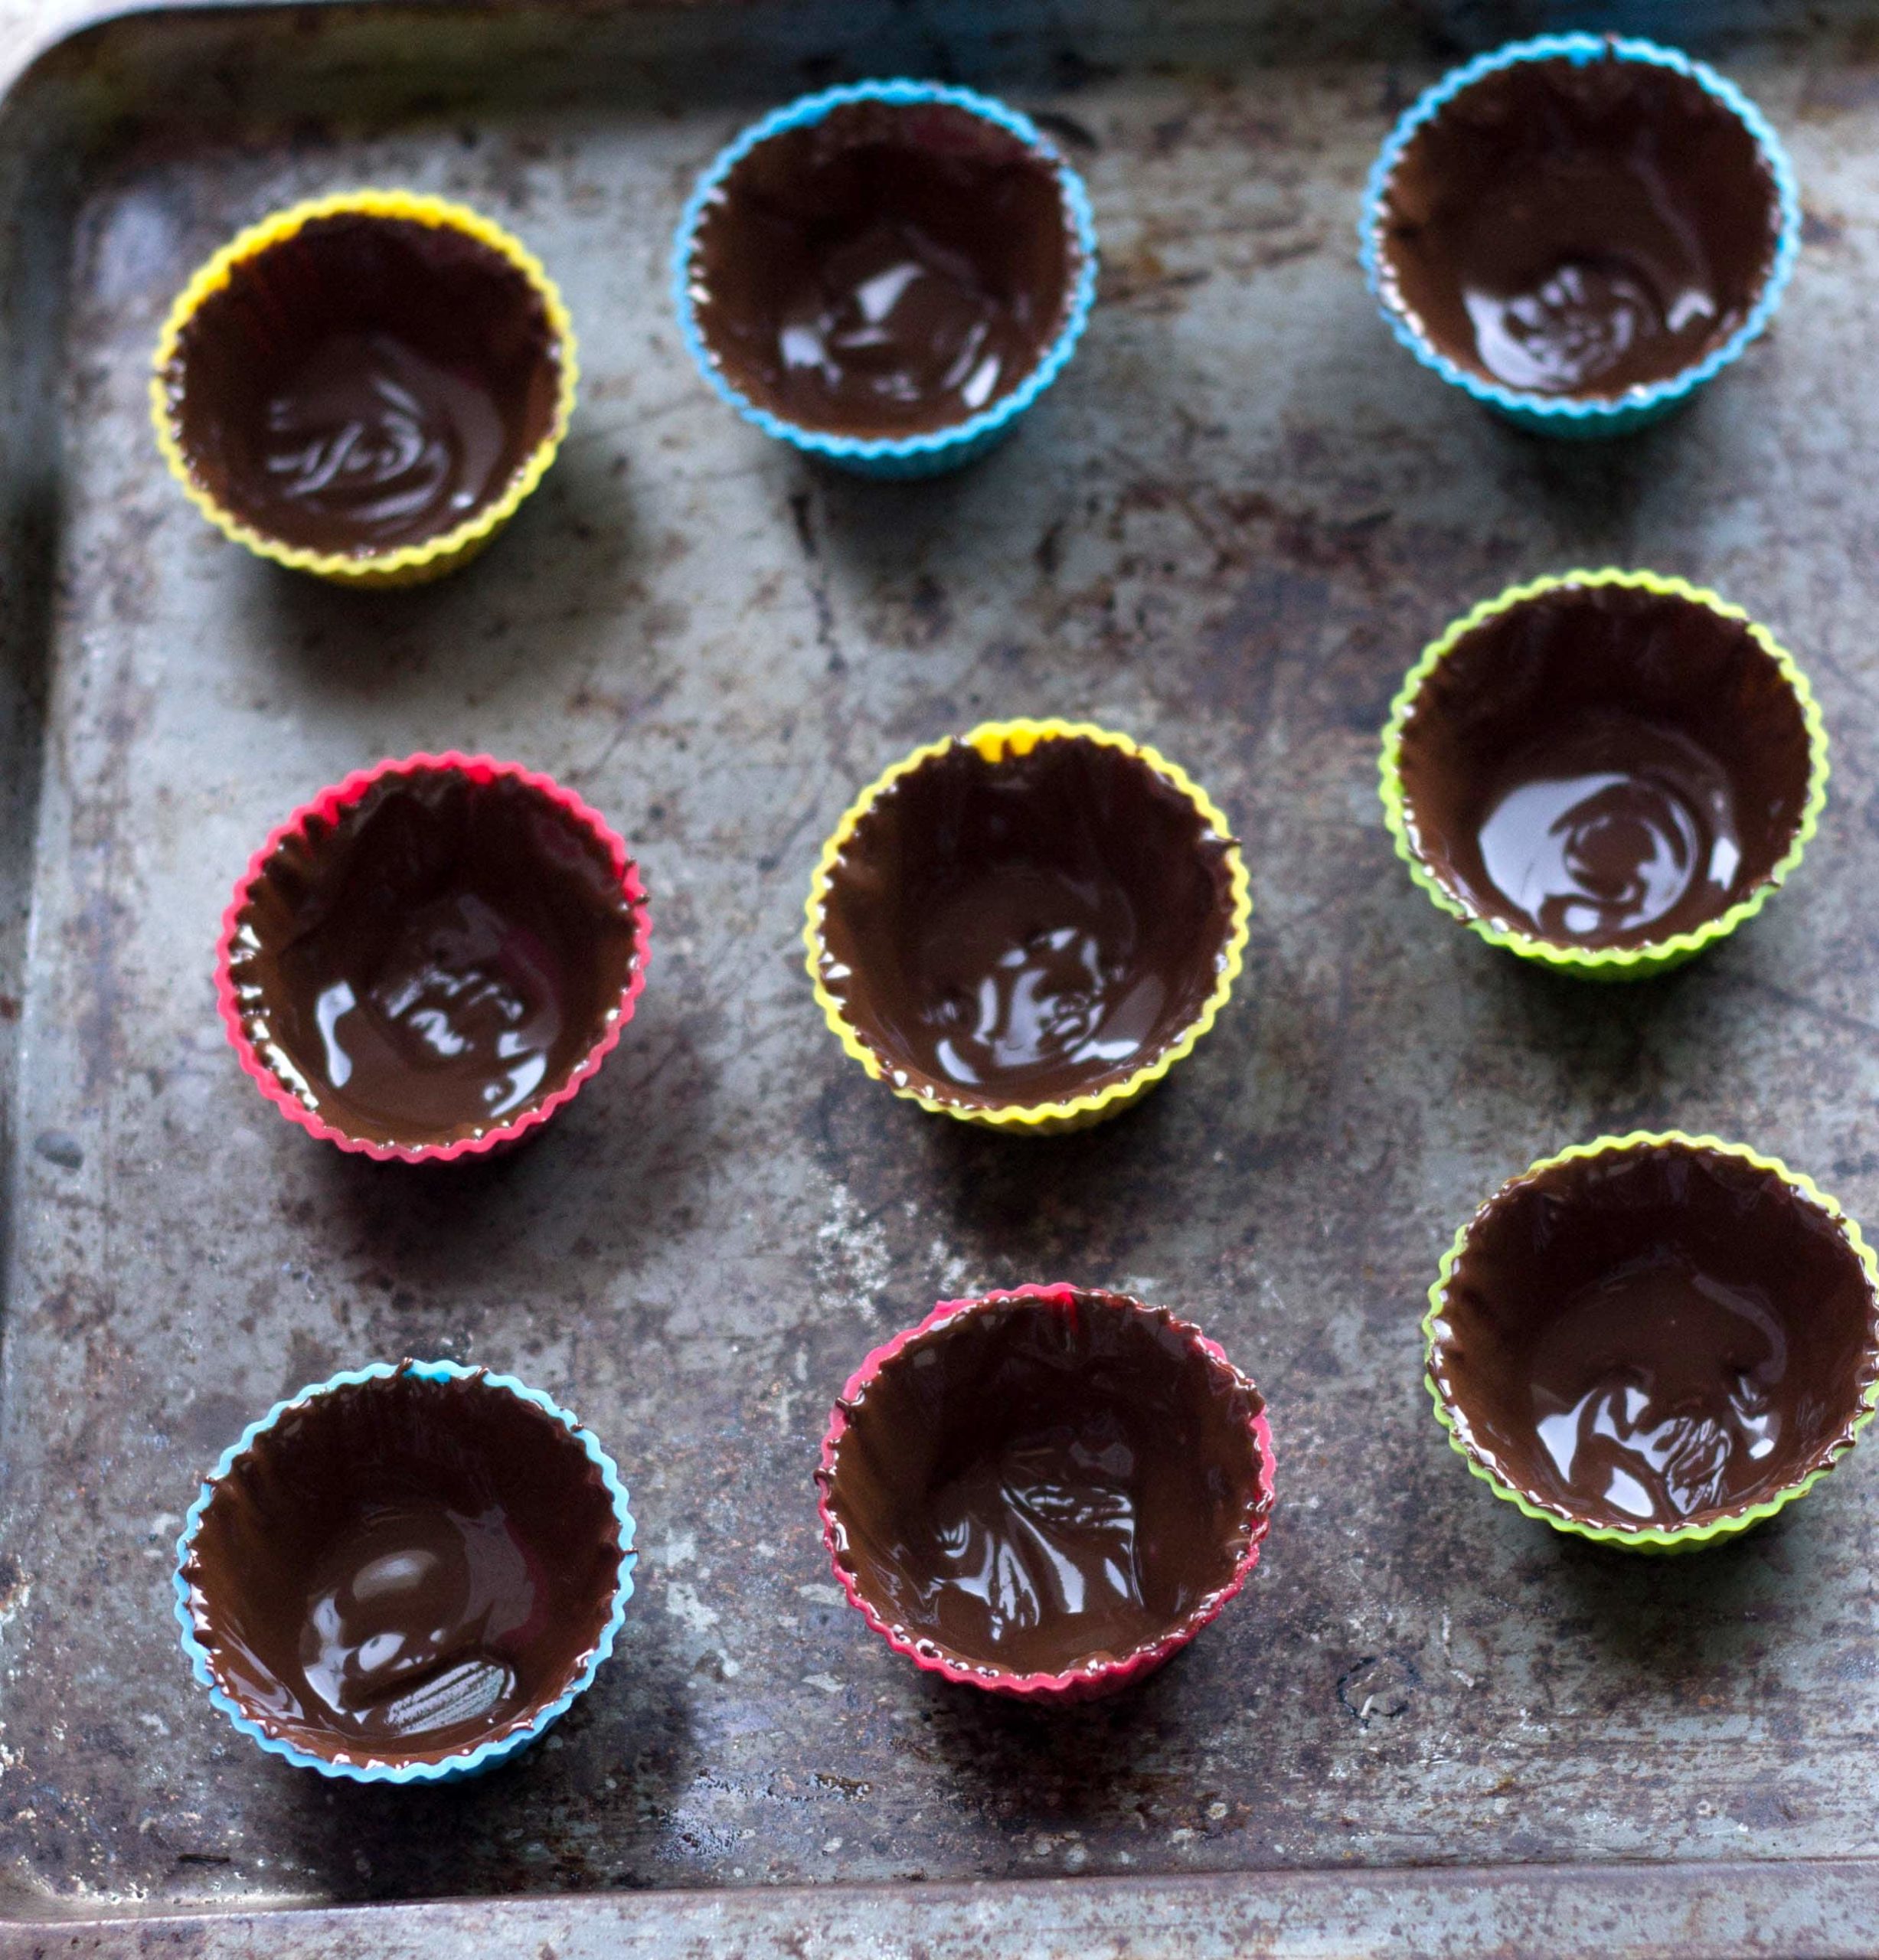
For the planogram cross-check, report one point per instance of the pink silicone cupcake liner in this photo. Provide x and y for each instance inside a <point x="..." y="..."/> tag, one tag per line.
<point x="1241" y="1439"/>
<point x="575" y="852"/>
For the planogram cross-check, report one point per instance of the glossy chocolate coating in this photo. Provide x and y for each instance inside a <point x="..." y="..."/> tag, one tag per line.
<point x="1604" y="765"/>
<point x="1033" y="1487"/>
<point x="1027" y="930"/>
<point x="1658" y="1337"/>
<point x="401" y="1569"/>
<point x="437" y="963"/>
<point x="364" y="383"/>
<point x="888" y="270"/>
<point x="1580" y="229"/>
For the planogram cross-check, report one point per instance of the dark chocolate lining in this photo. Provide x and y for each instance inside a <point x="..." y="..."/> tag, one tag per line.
<point x="1655" y="1337"/>
<point x="1026" y="931"/>
<point x="1034" y="1487"/>
<point x="438" y="962"/>
<point x="1580" y="229"/>
<point x="889" y="270"/>
<point x="1605" y="765"/>
<point x="402" y="1569"/>
<point x="364" y="383"/>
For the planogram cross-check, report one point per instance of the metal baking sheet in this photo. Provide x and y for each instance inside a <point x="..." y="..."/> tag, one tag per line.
<point x="1429" y="1724"/>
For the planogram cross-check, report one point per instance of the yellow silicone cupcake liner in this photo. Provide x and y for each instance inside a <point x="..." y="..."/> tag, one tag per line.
<point x="995" y="740"/>
<point x="1651" y="1539"/>
<point x="408" y="565"/>
<point x="1605" y="963"/>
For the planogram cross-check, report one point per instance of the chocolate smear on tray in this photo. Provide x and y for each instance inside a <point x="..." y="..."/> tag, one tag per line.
<point x="1034" y="1487"/>
<point x="1580" y="228"/>
<point x="364" y="383"/>
<point x="1656" y="1337"/>
<point x="886" y="270"/>
<point x="1603" y="766"/>
<point x="402" y="1568"/>
<point x="1026" y="930"/>
<point x="438" y="962"/>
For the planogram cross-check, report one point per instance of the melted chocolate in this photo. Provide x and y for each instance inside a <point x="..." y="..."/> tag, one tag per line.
<point x="365" y="384"/>
<point x="889" y="270"/>
<point x="1026" y="930"/>
<point x="368" y="436"/>
<point x="1605" y="766"/>
<point x="437" y="963"/>
<point x="401" y="1569"/>
<point x="412" y="1612"/>
<point x="1035" y="1485"/>
<point x="1580" y="229"/>
<point x="1608" y="828"/>
<point x="1655" y="1338"/>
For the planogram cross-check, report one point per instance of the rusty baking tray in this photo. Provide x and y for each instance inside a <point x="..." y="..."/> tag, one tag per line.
<point x="1429" y="1724"/>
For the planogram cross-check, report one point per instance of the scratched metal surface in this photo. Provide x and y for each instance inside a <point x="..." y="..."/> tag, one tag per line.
<point x="1228" y="530"/>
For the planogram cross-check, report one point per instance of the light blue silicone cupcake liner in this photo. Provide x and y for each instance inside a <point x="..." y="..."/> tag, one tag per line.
<point x="937" y="450"/>
<point x="1555" y="415"/>
<point x="485" y="1756"/>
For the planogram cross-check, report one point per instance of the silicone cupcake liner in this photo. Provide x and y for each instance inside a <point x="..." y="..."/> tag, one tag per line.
<point x="1561" y="416"/>
<point x="1096" y="1678"/>
<point x="932" y="451"/>
<point x="993" y="740"/>
<point x="1605" y="963"/>
<point x="1650" y="1539"/>
<point x="408" y="564"/>
<point x="325" y="808"/>
<point x="485" y="1756"/>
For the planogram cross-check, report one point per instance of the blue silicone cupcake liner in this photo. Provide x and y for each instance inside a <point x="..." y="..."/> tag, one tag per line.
<point x="934" y="451"/>
<point x="486" y="1755"/>
<point x="1555" y="415"/>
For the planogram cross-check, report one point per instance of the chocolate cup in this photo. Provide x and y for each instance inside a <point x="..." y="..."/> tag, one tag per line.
<point x="1026" y="926"/>
<point x="405" y="1574"/>
<point x="429" y="959"/>
<point x="365" y="387"/>
<point x="886" y="274"/>
<point x="1151" y="1452"/>
<point x="1655" y="1341"/>
<point x="1579" y="230"/>
<point x="1693" y="734"/>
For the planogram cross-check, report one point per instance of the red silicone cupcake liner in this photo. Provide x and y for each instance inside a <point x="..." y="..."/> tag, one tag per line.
<point x="325" y="808"/>
<point x="1097" y="1678"/>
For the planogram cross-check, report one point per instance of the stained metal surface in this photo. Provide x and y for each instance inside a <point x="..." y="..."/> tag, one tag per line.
<point x="1227" y="531"/>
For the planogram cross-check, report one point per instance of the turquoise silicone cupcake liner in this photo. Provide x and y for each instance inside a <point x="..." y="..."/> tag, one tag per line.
<point x="1692" y="1537"/>
<point x="1552" y="415"/>
<point x="487" y="1755"/>
<point x="934" y="452"/>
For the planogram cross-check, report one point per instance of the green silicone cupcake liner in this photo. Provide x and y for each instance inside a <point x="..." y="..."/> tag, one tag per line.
<point x="1605" y="963"/>
<point x="1648" y="1538"/>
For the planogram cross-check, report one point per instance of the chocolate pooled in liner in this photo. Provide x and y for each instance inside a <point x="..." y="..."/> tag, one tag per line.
<point x="1655" y="1337"/>
<point x="888" y="270"/>
<point x="401" y="1570"/>
<point x="1033" y="1488"/>
<point x="1605" y="765"/>
<point x="1027" y="930"/>
<point x="364" y="383"/>
<point x="437" y="962"/>
<point x="1578" y="228"/>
